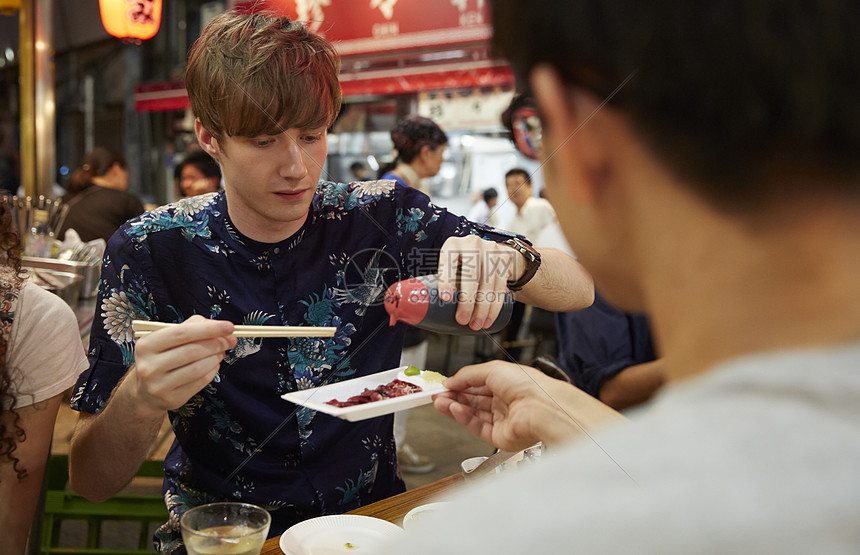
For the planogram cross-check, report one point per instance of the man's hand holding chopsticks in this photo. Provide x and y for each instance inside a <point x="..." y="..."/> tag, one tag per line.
<point x="173" y="364"/>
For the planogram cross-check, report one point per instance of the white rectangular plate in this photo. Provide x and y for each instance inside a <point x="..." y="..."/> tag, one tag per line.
<point x="316" y="398"/>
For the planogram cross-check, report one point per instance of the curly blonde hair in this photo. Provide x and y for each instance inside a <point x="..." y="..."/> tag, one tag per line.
<point x="11" y="432"/>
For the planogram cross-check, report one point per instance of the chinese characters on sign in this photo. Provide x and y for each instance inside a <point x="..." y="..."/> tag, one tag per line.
<point x="311" y="13"/>
<point x="386" y="7"/>
<point x="371" y="26"/>
<point x="131" y="19"/>
<point x="141" y="11"/>
<point x="471" y="109"/>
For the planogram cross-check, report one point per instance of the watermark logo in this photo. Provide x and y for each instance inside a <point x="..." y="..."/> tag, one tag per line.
<point x="367" y="274"/>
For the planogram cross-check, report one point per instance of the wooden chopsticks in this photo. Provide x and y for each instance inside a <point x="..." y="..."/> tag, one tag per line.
<point x="145" y="327"/>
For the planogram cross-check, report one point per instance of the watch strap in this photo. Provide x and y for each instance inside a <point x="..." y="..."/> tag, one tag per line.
<point x="532" y="257"/>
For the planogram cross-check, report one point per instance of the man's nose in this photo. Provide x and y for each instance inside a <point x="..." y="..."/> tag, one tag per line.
<point x="293" y="160"/>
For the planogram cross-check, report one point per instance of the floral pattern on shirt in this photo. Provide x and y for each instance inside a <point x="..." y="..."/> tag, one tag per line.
<point x="412" y="220"/>
<point x="340" y="198"/>
<point x="312" y="358"/>
<point x="181" y="214"/>
<point x="121" y="306"/>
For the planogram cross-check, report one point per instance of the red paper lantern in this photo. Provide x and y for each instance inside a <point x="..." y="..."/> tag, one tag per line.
<point x="131" y="19"/>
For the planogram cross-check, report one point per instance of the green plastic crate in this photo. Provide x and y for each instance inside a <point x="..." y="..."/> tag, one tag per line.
<point x="61" y="505"/>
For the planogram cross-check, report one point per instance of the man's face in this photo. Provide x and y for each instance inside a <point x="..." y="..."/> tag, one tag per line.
<point x="194" y="182"/>
<point x="519" y="190"/>
<point x="270" y="180"/>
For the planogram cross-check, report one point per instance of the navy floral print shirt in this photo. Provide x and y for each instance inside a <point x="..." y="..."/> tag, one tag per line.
<point x="237" y="439"/>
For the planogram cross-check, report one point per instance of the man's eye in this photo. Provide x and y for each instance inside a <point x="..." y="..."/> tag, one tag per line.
<point x="312" y="138"/>
<point x="264" y="142"/>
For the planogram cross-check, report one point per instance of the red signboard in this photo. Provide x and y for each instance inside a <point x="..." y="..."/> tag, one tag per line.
<point x="362" y="27"/>
<point x="160" y="97"/>
<point x="359" y="27"/>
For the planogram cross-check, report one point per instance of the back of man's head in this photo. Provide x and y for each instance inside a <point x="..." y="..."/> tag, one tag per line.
<point x="730" y="95"/>
<point x="253" y="74"/>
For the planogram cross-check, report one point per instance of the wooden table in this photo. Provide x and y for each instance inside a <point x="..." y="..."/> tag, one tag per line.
<point x="392" y="509"/>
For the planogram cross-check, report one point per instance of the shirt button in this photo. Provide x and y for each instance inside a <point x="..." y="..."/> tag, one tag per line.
<point x="277" y="250"/>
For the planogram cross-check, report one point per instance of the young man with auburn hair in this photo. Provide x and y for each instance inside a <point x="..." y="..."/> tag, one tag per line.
<point x="702" y="158"/>
<point x="277" y="247"/>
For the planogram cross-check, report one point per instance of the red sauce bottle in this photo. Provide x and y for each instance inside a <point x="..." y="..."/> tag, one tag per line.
<point x="415" y="301"/>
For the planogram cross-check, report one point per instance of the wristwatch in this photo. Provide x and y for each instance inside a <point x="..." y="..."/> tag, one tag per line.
<point x="532" y="262"/>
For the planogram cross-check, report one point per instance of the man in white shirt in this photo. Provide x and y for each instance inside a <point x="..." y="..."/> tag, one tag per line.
<point x="533" y="216"/>
<point x="533" y="213"/>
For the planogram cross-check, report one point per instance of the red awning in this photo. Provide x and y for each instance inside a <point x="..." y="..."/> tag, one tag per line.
<point x="484" y="73"/>
<point x="171" y="95"/>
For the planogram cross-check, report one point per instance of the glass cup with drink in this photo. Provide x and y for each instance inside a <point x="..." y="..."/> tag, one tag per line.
<point x="225" y="528"/>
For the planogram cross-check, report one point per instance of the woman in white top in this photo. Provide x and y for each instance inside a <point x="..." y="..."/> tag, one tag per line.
<point x="41" y="355"/>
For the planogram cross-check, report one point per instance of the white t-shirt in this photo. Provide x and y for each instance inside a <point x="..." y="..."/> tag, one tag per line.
<point x="761" y="455"/>
<point x="531" y="219"/>
<point x="46" y="354"/>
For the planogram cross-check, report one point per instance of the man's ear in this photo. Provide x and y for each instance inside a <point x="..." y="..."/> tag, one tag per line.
<point x="207" y="142"/>
<point x="571" y="132"/>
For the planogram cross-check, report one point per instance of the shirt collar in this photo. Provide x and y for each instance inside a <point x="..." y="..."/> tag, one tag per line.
<point x="241" y="242"/>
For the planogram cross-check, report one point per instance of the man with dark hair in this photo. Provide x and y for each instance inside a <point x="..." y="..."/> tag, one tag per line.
<point x="482" y="211"/>
<point x="533" y="214"/>
<point x="703" y="161"/>
<point x="358" y="171"/>
<point x="279" y="246"/>
<point x="198" y="174"/>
